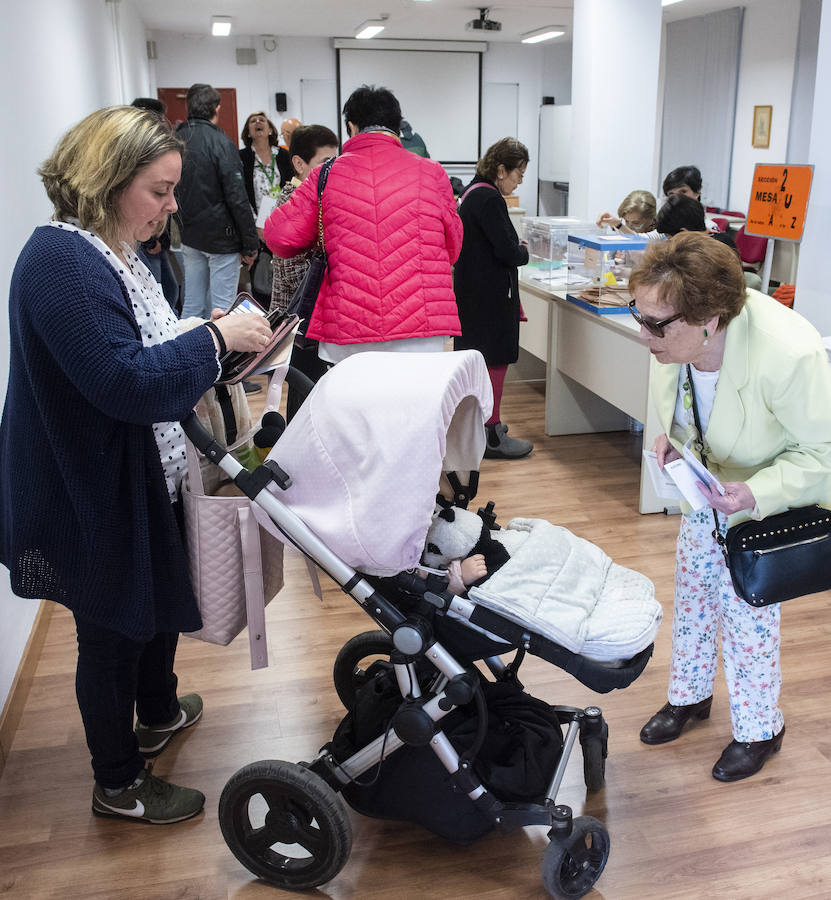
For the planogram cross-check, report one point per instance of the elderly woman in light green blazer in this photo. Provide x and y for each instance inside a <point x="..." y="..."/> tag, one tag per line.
<point x="762" y="385"/>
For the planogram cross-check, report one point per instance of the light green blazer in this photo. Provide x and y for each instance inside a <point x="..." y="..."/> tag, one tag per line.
<point x="771" y="419"/>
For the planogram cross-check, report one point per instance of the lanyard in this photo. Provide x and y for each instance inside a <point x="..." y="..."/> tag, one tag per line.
<point x="268" y="172"/>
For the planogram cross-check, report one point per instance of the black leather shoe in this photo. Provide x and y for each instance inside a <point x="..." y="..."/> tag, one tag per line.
<point x="743" y="760"/>
<point x="668" y="723"/>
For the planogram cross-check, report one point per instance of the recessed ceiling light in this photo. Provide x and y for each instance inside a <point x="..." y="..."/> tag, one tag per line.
<point x="370" y="28"/>
<point x="542" y="34"/>
<point x="221" y="26"/>
<point x="669" y="2"/>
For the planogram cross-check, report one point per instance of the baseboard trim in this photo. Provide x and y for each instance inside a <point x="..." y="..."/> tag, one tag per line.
<point x="19" y="693"/>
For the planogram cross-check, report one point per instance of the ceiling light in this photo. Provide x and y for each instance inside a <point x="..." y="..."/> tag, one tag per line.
<point x="370" y="28"/>
<point x="220" y="26"/>
<point x="669" y="2"/>
<point x="542" y="34"/>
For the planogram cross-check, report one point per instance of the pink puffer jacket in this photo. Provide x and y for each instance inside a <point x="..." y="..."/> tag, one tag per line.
<point x="391" y="231"/>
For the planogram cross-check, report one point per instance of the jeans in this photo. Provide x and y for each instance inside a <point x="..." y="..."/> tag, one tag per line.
<point x="115" y="675"/>
<point x="210" y="281"/>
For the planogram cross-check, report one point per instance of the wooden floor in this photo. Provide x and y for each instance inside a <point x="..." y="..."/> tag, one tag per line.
<point x="675" y="832"/>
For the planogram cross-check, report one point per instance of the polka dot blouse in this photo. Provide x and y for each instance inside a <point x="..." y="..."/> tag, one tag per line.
<point x="157" y="322"/>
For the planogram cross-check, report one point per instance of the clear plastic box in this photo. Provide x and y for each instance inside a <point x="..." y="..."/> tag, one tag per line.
<point x="599" y="266"/>
<point x="547" y="238"/>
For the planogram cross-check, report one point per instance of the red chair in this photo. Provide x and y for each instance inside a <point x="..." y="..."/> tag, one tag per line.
<point x="751" y="249"/>
<point x="721" y="223"/>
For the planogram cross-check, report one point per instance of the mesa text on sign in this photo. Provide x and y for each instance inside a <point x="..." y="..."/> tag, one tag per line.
<point x="778" y="200"/>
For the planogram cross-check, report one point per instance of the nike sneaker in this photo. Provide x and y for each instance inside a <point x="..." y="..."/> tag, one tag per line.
<point x="149" y="799"/>
<point x="154" y="738"/>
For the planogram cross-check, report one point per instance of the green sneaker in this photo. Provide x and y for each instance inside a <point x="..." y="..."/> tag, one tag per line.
<point x="149" y="799"/>
<point x="154" y="738"/>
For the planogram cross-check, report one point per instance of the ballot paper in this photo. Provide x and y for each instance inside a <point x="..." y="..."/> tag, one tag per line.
<point x="679" y="478"/>
<point x="662" y="481"/>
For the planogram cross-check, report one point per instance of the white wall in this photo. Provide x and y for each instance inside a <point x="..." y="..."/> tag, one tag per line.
<point x="812" y="299"/>
<point x="766" y="75"/>
<point x="556" y="72"/>
<point x="183" y="60"/>
<point x="59" y="63"/>
<point x="523" y="64"/>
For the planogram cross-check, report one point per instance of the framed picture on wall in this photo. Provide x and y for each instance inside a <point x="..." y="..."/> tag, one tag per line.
<point x="761" y="126"/>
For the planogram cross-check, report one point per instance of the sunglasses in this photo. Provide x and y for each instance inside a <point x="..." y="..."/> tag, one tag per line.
<point x="656" y="328"/>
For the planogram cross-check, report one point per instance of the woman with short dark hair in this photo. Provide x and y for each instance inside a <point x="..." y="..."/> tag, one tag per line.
<point x="391" y="231"/>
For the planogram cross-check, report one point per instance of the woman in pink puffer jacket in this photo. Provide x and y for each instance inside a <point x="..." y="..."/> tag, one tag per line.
<point x="391" y="231"/>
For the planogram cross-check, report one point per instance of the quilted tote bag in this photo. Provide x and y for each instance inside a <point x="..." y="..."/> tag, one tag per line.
<point x="236" y="567"/>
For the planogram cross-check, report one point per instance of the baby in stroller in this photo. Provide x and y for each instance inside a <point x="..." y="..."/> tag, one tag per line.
<point x="428" y="737"/>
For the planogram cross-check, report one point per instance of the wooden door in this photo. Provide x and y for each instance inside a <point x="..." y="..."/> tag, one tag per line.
<point x="175" y="101"/>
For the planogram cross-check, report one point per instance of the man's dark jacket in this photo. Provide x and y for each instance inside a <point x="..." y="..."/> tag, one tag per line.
<point x="214" y="212"/>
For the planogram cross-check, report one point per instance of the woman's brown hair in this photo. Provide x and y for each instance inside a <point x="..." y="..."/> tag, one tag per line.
<point x="508" y="152"/>
<point x="696" y="275"/>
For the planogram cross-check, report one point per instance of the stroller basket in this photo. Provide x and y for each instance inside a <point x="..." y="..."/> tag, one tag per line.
<point x="421" y="716"/>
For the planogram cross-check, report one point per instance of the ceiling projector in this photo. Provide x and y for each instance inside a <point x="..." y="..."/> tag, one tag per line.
<point x="483" y="23"/>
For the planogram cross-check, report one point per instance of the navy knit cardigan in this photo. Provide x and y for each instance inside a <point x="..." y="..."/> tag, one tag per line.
<point x="85" y="517"/>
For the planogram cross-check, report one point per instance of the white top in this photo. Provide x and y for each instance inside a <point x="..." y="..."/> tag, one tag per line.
<point x="335" y="353"/>
<point x="705" y="395"/>
<point x="157" y="323"/>
<point x="266" y="178"/>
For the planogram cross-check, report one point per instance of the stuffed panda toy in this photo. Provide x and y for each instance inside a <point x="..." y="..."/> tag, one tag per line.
<point x="457" y="533"/>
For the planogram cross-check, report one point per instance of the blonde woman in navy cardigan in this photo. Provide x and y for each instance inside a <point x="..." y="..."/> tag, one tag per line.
<point x="90" y="450"/>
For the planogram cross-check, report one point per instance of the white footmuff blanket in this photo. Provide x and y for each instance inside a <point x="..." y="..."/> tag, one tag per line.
<point x="569" y="591"/>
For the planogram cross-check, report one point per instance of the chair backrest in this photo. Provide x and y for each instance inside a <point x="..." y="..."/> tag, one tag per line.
<point x="751" y="248"/>
<point x="721" y="223"/>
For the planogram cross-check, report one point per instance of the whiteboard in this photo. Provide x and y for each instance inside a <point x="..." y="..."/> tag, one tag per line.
<point x="439" y="93"/>
<point x="555" y="143"/>
<point x="318" y="102"/>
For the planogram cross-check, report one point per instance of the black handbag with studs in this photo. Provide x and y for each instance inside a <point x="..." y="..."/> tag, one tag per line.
<point x="779" y="557"/>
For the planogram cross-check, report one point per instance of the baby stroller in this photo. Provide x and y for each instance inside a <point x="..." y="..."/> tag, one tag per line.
<point x="428" y="737"/>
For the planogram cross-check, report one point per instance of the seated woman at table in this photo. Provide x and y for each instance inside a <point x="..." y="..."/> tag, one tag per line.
<point x="686" y="181"/>
<point x="682" y="213"/>
<point x="635" y="215"/>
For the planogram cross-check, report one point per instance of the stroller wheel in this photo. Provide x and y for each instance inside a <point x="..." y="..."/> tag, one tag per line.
<point x="571" y="865"/>
<point x="285" y="824"/>
<point x="358" y="662"/>
<point x="595" y="749"/>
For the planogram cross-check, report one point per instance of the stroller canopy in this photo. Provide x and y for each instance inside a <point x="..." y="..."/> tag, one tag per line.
<point x="367" y="449"/>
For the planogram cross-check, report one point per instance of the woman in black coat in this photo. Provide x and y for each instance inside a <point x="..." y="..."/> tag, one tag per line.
<point x="485" y="279"/>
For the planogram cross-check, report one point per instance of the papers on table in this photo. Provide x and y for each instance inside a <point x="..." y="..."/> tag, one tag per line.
<point x="679" y="478"/>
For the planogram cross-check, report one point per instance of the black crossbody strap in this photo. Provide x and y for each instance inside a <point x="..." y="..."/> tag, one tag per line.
<point x="716" y="533"/>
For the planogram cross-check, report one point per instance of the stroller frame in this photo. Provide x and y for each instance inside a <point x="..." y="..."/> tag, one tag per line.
<point x="304" y="808"/>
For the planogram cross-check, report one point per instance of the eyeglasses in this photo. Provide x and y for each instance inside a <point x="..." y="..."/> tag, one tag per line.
<point x="656" y="328"/>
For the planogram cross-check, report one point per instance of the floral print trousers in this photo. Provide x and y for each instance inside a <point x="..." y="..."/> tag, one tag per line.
<point x="705" y="603"/>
